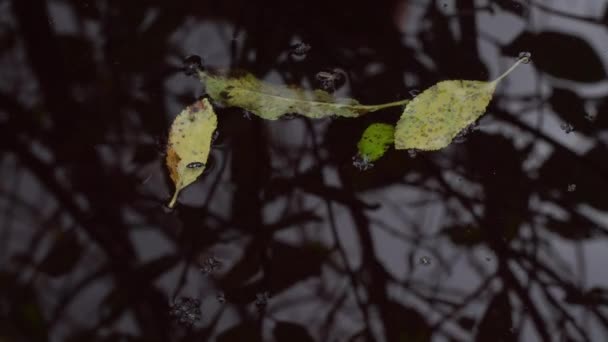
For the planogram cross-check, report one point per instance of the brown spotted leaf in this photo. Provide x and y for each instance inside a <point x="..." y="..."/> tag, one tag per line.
<point x="433" y="118"/>
<point x="189" y="144"/>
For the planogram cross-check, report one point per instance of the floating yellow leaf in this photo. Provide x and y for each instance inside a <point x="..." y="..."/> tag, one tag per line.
<point x="270" y="101"/>
<point x="433" y="118"/>
<point x="189" y="144"/>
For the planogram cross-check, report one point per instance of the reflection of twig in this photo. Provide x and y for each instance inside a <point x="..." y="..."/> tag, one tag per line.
<point x="331" y="315"/>
<point x="64" y="301"/>
<point x="545" y="8"/>
<point x="511" y="282"/>
<point x="216" y="181"/>
<point x="556" y="304"/>
<point x="340" y="248"/>
<point x="469" y="298"/>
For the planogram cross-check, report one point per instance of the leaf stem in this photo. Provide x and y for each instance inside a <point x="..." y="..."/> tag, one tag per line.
<point x="173" y="199"/>
<point x="390" y="104"/>
<point x="519" y="61"/>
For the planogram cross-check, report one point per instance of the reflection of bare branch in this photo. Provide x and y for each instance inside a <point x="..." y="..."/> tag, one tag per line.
<point x="336" y="237"/>
<point x="556" y="12"/>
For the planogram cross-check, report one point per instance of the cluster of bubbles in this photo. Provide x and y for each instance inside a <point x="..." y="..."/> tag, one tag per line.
<point x="261" y="300"/>
<point x="186" y="311"/>
<point x="221" y="297"/>
<point x="362" y="163"/>
<point x="462" y="136"/>
<point x="288" y="116"/>
<point x="566" y="127"/>
<point x="525" y="56"/>
<point x="425" y="261"/>
<point x="210" y="265"/>
<point x="299" y="50"/>
<point x="571" y="187"/>
<point x="192" y="65"/>
<point x="330" y="80"/>
<point x="247" y="114"/>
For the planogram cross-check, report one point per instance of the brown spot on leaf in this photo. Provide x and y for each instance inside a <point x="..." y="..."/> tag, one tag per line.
<point x="172" y="161"/>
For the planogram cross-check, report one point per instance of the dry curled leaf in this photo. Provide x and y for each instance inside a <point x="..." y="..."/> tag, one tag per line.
<point x="433" y="118"/>
<point x="189" y="144"/>
<point x="270" y="101"/>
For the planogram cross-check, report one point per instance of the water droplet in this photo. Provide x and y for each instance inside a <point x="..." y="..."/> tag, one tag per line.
<point x="412" y="153"/>
<point x="414" y="92"/>
<point x="299" y="49"/>
<point x="195" y="165"/>
<point x="566" y="127"/>
<point x="425" y="261"/>
<point x="362" y="163"/>
<point x="261" y="300"/>
<point x="192" y="65"/>
<point x="571" y="187"/>
<point x="221" y="297"/>
<point x="210" y="264"/>
<point x="186" y="311"/>
<point x="525" y="56"/>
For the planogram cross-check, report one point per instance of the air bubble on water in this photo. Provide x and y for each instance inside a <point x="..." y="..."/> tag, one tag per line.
<point x="288" y="116"/>
<point x="462" y="136"/>
<point x="210" y="265"/>
<point x="221" y="297"/>
<point x="525" y="56"/>
<point x="590" y="117"/>
<point x="247" y="114"/>
<point x="362" y="163"/>
<point x="414" y="92"/>
<point x="214" y="137"/>
<point x="425" y="261"/>
<point x="186" y="311"/>
<point x="261" y="300"/>
<point x="571" y="187"/>
<point x="412" y="153"/>
<point x="299" y="49"/>
<point x="192" y="65"/>
<point x="566" y="127"/>
<point x="330" y="80"/>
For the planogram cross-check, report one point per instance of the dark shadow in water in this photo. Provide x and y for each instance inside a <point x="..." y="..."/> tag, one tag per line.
<point x="501" y="237"/>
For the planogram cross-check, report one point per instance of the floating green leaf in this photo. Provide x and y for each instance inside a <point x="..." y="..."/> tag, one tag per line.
<point x="189" y="144"/>
<point x="270" y="101"/>
<point x="433" y="118"/>
<point x="375" y="141"/>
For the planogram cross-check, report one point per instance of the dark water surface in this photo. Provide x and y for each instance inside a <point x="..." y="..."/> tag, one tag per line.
<point x="499" y="237"/>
